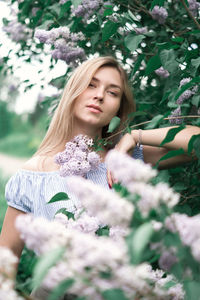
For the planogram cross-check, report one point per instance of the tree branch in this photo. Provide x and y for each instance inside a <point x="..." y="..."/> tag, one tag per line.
<point x="190" y="14"/>
<point x="146" y="122"/>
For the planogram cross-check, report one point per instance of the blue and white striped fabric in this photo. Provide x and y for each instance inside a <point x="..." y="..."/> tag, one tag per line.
<point x="30" y="191"/>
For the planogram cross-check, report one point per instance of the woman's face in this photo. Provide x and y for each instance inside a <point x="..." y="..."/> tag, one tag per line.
<point x="100" y="102"/>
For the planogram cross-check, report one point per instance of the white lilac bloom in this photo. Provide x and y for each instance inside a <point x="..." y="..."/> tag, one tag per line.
<point x="162" y="72"/>
<point x="8" y="262"/>
<point x="159" y="14"/>
<point x="40" y="235"/>
<point x="127" y="169"/>
<point x="82" y="222"/>
<point x="188" y="229"/>
<point x="78" y="157"/>
<point x="106" y="205"/>
<point x="151" y="197"/>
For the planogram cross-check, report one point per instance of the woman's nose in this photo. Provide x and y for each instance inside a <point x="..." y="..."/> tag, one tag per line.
<point x="99" y="94"/>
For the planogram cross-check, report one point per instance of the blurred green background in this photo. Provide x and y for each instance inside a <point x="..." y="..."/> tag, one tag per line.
<point x="20" y="136"/>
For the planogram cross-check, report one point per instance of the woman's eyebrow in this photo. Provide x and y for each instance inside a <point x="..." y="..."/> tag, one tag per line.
<point x="110" y="85"/>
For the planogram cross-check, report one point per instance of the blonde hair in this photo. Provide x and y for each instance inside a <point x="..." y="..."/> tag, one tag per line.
<point x="61" y="126"/>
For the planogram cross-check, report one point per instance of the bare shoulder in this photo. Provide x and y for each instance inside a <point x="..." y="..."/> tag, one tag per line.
<point x="32" y="164"/>
<point x="40" y="164"/>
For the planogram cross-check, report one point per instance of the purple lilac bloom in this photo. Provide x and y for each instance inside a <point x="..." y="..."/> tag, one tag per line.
<point x="159" y="14"/>
<point x="194" y="7"/>
<point x="141" y="30"/>
<point x="167" y="260"/>
<point x="87" y="8"/>
<point x="78" y="157"/>
<point x="64" y="43"/>
<point x="162" y="72"/>
<point x="17" y="31"/>
<point x="188" y="93"/>
<point x="175" y="114"/>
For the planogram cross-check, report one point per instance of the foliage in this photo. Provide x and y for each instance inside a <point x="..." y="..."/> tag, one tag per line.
<point x="148" y="253"/>
<point x="158" y="43"/>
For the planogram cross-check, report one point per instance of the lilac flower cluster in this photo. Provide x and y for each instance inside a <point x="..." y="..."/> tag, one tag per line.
<point x="141" y="30"/>
<point x="184" y="96"/>
<point x="85" y="259"/>
<point x="162" y="72"/>
<point x="188" y="229"/>
<point x="7" y="274"/>
<point x="106" y="205"/>
<point x="64" y="43"/>
<point x="77" y="158"/>
<point x="134" y="175"/>
<point x="194" y="7"/>
<point x="159" y="14"/>
<point x="87" y="8"/>
<point x="17" y="31"/>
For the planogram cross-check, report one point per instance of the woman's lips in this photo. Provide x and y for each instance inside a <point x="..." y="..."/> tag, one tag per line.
<point x="94" y="109"/>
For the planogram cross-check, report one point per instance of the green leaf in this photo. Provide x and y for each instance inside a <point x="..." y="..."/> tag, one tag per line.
<point x="197" y="147"/>
<point x="168" y="60"/>
<point x="155" y="121"/>
<point x="61" y="289"/>
<point x="178" y="39"/>
<point x="140" y="239"/>
<point x="196" y="100"/>
<point x="172" y="153"/>
<point x="153" y="64"/>
<point x="195" y="63"/>
<point x="137" y="64"/>
<point x="55" y="8"/>
<point x="136" y="114"/>
<point x="192" y="289"/>
<point x="108" y="30"/>
<point x="65" y="212"/>
<point x="191" y="142"/>
<point x="76" y="3"/>
<point x="171" y="134"/>
<point x="59" y="197"/>
<point x="45" y="25"/>
<point x="43" y="265"/>
<point x="114" y="123"/>
<point x="114" y="294"/>
<point x="132" y="41"/>
<point x="157" y="2"/>
<point x="108" y="12"/>
<point x="64" y="8"/>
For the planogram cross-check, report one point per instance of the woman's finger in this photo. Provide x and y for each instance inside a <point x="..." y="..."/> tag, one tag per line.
<point x="109" y="179"/>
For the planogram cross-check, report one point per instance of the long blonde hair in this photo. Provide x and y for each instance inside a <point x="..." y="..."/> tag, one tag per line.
<point x="61" y="126"/>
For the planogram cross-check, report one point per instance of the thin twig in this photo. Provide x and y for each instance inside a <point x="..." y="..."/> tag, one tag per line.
<point x="190" y="14"/>
<point x="146" y="122"/>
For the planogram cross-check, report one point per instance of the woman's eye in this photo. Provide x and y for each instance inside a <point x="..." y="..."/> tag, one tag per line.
<point x="91" y="85"/>
<point x="113" y="93"/>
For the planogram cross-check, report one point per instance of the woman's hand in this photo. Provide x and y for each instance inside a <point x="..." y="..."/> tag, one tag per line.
<point x="126" y="145"/>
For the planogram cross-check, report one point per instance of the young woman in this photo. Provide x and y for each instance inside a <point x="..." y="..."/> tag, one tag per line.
<point x="97" y="91"/>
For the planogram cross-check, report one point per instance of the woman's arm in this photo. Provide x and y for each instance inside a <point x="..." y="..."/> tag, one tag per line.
<point x="151" y="140"/>
<point x="10" y="236"/>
